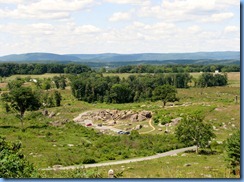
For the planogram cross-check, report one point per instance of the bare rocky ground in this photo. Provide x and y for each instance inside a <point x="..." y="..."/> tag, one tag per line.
<point x="108" y="119"/>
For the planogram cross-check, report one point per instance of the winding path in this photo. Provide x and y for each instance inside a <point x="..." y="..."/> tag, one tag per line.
<point x="153" y="128"/>
<point x="172" y="152"/>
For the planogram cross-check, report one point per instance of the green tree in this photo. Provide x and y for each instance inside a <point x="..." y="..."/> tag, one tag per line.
<point x="21" y="99"/>
<point x="12" y="162"/>
<point x="166" y="93"/>
<point x="57" y="98"/>
<point x="193" y="131"/>
<point x="121" y="93"/>
<point x="233" y="152"/>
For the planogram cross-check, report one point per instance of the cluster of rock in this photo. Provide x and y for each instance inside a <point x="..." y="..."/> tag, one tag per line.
<point x="174" y="122"/>
<point x="113" y="115"/>
<point x="50" y="115"/>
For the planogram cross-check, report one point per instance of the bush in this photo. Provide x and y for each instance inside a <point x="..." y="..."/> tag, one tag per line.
<point x="89" y="161"/>
<point x="12" y="162"/>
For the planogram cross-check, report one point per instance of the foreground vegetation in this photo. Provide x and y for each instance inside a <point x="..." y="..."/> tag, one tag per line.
<point x="57" y="140"/>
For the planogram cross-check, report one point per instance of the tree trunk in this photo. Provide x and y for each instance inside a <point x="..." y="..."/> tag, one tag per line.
<point x="197" y="150"/>
<point x="164" y="103"/>
<point x="21" y="120"/>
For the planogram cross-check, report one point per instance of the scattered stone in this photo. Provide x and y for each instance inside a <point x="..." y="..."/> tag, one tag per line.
<point x="51" y="114"/>
<point x="57" y="166"/>
<point x="184" y="154"/>
<point x="134" y="118"/>
<point x="138" y="127"/>
<point x="45" y="112"/>
<point x="208" y="175"/>
<point x="187" y="165"/>
<point x="70" y="145"/>
<point x="175" y="121"/>
<point x="160" y="129"/>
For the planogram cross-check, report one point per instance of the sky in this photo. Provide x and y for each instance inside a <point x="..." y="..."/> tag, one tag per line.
<point x="118" y="26"/>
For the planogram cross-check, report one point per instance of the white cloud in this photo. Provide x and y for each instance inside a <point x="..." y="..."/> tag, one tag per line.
<point x="169" y="26"/>
<point x="86" y="29"/>
<point x="120" y="16"/>
<point x="231" y="29"/>
<point x="194" y="29"/>
<point x="189" y="10"/>
<point x="138" y="2"/>
<point x="218" y="17"/>
<point x="46" y="9"/>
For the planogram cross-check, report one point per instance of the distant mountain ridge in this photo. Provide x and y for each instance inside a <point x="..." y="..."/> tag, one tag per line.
<point x="113" y="57"/>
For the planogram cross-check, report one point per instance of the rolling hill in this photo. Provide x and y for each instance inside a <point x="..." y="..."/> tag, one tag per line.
<point x="108" y="59"/>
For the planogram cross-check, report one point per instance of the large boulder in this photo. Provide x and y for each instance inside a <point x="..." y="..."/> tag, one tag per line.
<point x="147" y="114"/>
<point x="141" y="117"/>
<point x="138" y="127"/>
<point x="134" y="118"/>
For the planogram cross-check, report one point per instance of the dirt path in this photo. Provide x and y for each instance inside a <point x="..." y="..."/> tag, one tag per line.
<point x="172" y="152"/>
<point x="153" y="128"/>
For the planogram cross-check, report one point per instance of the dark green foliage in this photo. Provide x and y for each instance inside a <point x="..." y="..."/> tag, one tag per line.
<point x="22" y="99"/>
<point x="12" y="162"/>
<point x="166" y="93"/>
<point x="96" y="88"/>
<point x="193" y="131"/>
<point x="180" y="68"/>
<point x="121" y="93"/>
<point x="8" y="69"/>
<point x="210" y="80"/>
<point x="57" y="98"/>
<point x="89" y="160"/>
<point x="233" y="151"/>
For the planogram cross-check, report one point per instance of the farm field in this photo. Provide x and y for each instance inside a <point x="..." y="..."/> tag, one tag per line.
<point x="58" y="140"/>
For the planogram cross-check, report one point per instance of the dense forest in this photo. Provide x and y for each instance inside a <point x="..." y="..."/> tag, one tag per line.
<point x="175" y="68"/>
<point x="94" y="87"/>
<point x="8" y="69"/>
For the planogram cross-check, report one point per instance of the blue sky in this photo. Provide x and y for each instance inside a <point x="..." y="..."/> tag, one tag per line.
<point x="119" y="26"/>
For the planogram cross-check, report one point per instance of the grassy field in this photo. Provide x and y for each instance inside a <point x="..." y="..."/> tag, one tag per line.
<point x="46" y="144"/>
<point x="46" y="75"/>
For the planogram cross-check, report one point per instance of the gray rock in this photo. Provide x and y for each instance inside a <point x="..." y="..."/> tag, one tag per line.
<point x="52" y="114"/>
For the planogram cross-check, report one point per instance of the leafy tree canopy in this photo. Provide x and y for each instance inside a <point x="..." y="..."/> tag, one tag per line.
<point x="233" y="151"/>
<point x="166" y="93"/>
<point x="12" y="162"/>
<point x="193" y="131"/>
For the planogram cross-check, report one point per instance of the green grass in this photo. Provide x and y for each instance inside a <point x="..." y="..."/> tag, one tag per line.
<point x="199" y="166"/>
<point x="46" y="145"/>
<point x="46" y="75"/>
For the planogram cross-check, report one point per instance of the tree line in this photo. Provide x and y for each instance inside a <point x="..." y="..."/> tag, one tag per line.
<point x="8" y="69"/>
<point x="175" y="68"/>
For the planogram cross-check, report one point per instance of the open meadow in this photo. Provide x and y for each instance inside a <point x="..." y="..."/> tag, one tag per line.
<point x="56" y="140"/>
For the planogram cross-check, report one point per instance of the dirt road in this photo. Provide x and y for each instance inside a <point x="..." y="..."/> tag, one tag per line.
<point x="150" y="124"/>
<point x="172" y="152"/>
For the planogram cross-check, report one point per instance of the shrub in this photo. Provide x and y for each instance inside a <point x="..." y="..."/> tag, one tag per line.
<point x="89" y="161"/>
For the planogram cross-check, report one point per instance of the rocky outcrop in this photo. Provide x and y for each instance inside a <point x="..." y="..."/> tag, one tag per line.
<point x="113" y="115"/>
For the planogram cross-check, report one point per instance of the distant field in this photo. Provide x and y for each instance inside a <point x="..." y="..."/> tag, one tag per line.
<point x="46" y="75"/>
